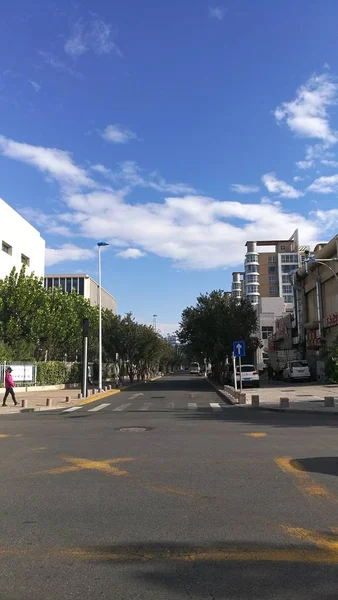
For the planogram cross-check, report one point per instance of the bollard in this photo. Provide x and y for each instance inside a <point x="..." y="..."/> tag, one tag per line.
<point x="284" y="403"/>
<point x="109" y="386"/>
<point x="242" y="398"/>
<point x="67" y="398"/>
<point x="105" y="388"/>
<point x="79" y="396"/>
<point x="48" y="402"/>
<point x="329" y="401"/>
<point x="24" y="403"/>
<point x="254" y="400"/>
<point x="95" y="392"/>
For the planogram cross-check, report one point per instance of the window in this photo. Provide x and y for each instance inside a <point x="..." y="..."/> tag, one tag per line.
<point x="251" y="258"/>
<point x="285" y="278"/>
<point x="289" y="258"/>
<point x="25" y="260"/>
<point x="69" y="285"/>
<point x="272" y="279"/>
<point x="251" y="268"/>
<point x="251" y="279"/>
<point x="287" y="289"/>
<point x="236" y="285"/>
<point x="273" y="290"/>
<point x="6" y="248"/>
<point x="75" y="284"/>
<point x="272" y="270"/>
<point x="254" y="299"/>
<point x="272" y="259"/>
<point x="288" y="298"/>
<point x="56" y="282"/>
<point x="266" y="331"/>
<point x="288" y="268"/>
<point x="81" y="286"/>
<point x="49" y="283"/>
<point x="252" y="289"/>
<point x="283" y="248"/>
<point x="62" y="283"/>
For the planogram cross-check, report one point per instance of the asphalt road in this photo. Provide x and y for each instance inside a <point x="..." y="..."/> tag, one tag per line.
<point x="201" y="500"/>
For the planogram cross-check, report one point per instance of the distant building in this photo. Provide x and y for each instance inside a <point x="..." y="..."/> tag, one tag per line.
<point x="267" y="273"/>
<point x="21" y="244"/>
<point x="84" y="286"/>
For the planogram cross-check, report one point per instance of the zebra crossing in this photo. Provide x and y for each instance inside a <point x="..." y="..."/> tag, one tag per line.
<point x="215" y="407"/>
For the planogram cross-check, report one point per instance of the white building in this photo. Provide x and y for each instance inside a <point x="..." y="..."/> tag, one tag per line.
<point x="83" y="285"/>
<point x="21" y="244"/>
<point x="268" y="310"/>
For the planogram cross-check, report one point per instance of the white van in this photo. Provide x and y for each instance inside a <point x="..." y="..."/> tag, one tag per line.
<point x="195" y="369"/>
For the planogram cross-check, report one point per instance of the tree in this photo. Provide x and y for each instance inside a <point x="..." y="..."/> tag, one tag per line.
<point x="210" y="327"/>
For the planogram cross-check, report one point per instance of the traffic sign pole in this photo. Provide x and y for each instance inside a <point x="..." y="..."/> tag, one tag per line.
<point x="234" y="367"/>
<point x="240" y="373"/>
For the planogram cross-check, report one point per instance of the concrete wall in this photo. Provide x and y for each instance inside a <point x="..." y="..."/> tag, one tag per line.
<point x="24" y="239"/>
<point x="107" y="299"/>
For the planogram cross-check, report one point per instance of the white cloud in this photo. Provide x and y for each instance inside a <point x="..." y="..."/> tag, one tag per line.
<point x="328" y="219"/>
<point x="330" y="163"/>
<point x="244" y="189"/>
<point x="298" y="178"/>
<point x="67" y="252"/>
<point x="304" y="164"/>
<point x="324" y="185"/>
<point x="57" y="64"/>
<point x="117" y="134"/>
<point x="217" y="12"/>
<point x="130" y="253"/>
<point x="58" y="164"/>
<point x="36" y="87"/>
<point x="307" y="115"/>
<point x="281" y="188"/>
<point x="131" y="175"/>
<point x="95" y="35"/>
<point x="193" y="231"/>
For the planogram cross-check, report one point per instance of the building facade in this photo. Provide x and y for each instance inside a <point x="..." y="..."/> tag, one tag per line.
<point x="21" y="244"/>
<point x="83" y="285"/>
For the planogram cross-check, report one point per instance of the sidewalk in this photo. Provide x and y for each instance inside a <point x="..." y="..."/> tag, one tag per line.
<point x="38" y="400"/>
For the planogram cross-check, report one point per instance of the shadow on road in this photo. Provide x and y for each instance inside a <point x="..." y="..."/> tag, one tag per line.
<point x="250" y="416"/>
<point x="327" y="465"/>
<point x="234" y="571"/>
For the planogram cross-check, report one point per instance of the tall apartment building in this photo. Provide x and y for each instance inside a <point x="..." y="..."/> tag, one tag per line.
<point x="83" y="285"/>
<point x="266" y="272"/>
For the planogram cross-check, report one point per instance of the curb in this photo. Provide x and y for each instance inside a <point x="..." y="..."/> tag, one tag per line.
<point x="221" y="393"/>
<point x="299" y="411"/>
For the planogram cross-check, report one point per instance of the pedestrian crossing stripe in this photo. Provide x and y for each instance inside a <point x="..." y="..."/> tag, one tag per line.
<point x="191" y="406"/>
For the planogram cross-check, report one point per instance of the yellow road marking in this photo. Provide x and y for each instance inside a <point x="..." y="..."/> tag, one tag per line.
<point x="185" y="554"/>
<point x="256" y="435"/>
<point x="82" y="464"/>
<point x="6" y="435"/>
<point x="321" y="540"/>
<point x="303" y="480"/>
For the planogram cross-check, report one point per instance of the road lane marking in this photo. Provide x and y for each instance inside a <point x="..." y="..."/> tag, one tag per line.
<point x="303" y="480"/>
<point x="145" y="406"/>
<point x="99" y="407"/>
<point x="135" y="396"/>
<point x="215" y="406"/>
<point x="322" y="541"/>
<point x="6" y="435"/>
<point x="185" y="554"/>
<point x="192" y="405"/>
<point x="72" y="409"/>
<point x="83" y="464"/>
<point x="170" y="405"/>
<point x="122" y="407"/>
<point x="256" y="434"/>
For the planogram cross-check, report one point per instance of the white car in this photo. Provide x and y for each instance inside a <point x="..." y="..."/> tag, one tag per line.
<point x="195" y="369"/>
<point x="297" y="370"/>
<point x="250" y="376"/>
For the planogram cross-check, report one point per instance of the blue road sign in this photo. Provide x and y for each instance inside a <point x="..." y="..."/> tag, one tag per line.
<point x="238" y="348"/>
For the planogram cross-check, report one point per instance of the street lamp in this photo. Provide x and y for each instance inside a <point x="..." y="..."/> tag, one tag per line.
<point x="99" y="246"/>
<point x="324" y="261"/>
<point x="155" y="322"/>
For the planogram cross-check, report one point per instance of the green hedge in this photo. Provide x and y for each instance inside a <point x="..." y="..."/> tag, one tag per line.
<point x="52" y="373"/>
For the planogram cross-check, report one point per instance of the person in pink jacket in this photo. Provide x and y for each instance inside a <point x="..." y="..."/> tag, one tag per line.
<point x="9" y="385"/>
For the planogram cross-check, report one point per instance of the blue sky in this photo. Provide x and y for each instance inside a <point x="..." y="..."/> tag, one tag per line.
<point x="175" y="131"/>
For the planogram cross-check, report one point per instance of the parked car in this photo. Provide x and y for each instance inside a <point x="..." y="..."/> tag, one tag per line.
<point x="297" y="370"/>
<point x="195" y="368"/>
<point x="250" y="376"/>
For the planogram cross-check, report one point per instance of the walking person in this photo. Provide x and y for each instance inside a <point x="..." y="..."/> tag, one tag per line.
<point x="9" y="385"/>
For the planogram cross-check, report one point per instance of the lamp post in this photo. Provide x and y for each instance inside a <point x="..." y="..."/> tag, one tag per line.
<point x="99" y="246"/>
<point x="155" y="322"/>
